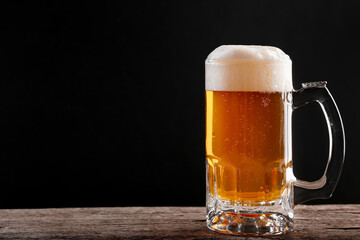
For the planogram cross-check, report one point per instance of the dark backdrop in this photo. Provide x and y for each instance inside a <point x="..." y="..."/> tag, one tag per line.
<point x="103" y="104"/>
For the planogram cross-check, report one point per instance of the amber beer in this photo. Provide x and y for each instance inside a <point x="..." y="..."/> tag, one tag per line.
<point x="245" y="145"/>
<point x="247" y="90"/>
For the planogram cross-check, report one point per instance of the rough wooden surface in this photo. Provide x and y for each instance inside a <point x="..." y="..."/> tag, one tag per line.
<point x="311" y="222"/>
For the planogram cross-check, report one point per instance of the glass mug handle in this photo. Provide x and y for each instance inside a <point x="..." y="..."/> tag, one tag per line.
<point x="324" y="187"/>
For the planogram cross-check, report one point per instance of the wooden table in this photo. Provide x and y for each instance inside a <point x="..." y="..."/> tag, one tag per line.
<point x="311" y="222"/>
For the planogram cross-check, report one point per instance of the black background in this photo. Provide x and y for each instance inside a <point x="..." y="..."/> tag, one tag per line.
<point x="103" y="104"/>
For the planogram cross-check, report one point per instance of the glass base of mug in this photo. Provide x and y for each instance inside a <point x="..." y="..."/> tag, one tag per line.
<point x="266" y="218"/>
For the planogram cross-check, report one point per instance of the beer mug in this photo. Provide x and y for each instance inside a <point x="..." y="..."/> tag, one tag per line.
<point x="250" y="184"/>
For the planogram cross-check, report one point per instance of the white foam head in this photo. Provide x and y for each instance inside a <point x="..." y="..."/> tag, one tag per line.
<point x="248" y="68"/>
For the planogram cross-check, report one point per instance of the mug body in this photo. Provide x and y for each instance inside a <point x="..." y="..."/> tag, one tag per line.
<point x="249" y="162"/>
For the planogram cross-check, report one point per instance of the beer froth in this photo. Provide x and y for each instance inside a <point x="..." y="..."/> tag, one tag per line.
<point x="248" y="68"/>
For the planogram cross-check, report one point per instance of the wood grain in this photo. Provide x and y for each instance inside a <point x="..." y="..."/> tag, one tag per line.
<point x="311" y="222"/>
